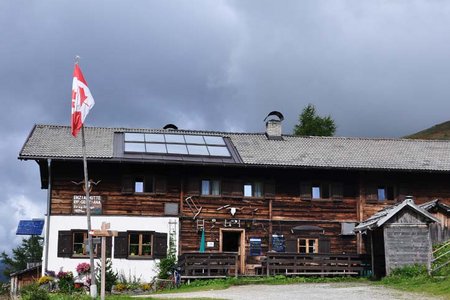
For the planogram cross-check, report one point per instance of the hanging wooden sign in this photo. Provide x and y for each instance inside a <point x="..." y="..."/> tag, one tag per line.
<point x="79" y="204"/>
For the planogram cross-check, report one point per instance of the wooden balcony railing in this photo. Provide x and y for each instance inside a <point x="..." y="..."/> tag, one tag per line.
<point x="212" y="265"/>
<point x="315" y="264"/>
<point x="220" y="265"/>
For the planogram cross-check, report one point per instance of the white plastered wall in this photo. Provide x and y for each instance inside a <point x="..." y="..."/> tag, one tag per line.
<point x="144" y="269"/>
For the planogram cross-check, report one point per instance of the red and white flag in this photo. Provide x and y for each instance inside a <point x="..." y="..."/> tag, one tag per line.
<point x="82" y="100"/>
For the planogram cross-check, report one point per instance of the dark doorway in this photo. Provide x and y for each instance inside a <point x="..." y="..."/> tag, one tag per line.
<point x="231" y="241"/>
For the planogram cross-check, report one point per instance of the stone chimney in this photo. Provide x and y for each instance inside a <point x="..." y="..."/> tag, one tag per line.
<point x="273" y="125"/>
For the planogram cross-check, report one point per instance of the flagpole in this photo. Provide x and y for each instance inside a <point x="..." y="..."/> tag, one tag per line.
<point x="93" y="287"/>
<point x="76" y="109"/>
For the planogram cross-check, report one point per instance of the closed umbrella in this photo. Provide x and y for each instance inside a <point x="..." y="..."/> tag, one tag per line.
<point x="202" y="242"/>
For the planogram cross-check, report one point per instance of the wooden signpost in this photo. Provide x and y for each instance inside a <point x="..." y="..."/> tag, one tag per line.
<point x="104" y="232"/>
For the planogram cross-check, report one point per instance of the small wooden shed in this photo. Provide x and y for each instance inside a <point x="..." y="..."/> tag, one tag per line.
<point x="398" y="236"/>
<point x="25" y="277"/>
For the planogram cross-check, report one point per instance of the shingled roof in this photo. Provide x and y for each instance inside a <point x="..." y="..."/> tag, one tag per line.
<point x="53" y="141"/>
<point x="382" y="216"/>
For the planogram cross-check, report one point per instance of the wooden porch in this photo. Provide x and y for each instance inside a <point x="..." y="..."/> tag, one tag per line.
<point x="316" y="264"/>
<point x="196" y="265"/>
<point x="208" y="265"/>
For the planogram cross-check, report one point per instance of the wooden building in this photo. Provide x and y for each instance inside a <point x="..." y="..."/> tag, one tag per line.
<point x="24" y="277"/>
<point x="250" y="193"/>
<point x="399" y="236"/>
<point x="440" y="231"/>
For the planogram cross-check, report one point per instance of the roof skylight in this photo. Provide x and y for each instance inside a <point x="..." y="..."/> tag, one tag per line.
<point x="183" y="144"/>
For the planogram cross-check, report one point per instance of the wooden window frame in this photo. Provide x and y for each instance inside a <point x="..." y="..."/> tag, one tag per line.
<point x="140" y="244"/>
<point x="144" y="180"/>
<point x="386" y="188"/>
<point x="253" y="184"/>
<point x="307" y="240"/>
<point x="329" y="186"/>
<point x="85" y="237"/>
<point x="210" y="194"/>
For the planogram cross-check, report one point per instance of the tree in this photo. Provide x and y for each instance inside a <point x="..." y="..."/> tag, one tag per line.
<point x="110" y="276"/>
<point x="310" y="124"/>
<point x="29" y="251"/>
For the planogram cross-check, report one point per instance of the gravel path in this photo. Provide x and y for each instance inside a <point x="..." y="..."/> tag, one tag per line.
<point x="306" y="291"/>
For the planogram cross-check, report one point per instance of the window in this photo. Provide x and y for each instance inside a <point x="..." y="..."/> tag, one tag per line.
<point x="385" y="193"/>
<point x="140" y="244"/>
<point x="78" y="243"/>
<point x="139" y="183"/>
<point x="308" y="246"/>
<point x="73" y="243"/>
<point x="210" y="187"/>
<point x="253" y="189"/>
<point x="321" y="190"/>
<point x="80" y="248"/>
<point x="144" y="184"/>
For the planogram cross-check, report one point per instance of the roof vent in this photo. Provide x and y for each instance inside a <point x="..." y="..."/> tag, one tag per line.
<point x="273" y="125"/>
<point x="170" y="127"/>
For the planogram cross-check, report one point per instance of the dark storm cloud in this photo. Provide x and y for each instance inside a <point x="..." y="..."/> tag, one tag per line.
<point x="379" y="68"/>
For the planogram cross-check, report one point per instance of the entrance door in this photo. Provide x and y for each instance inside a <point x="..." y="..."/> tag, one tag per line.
<point x="233" y="240"/>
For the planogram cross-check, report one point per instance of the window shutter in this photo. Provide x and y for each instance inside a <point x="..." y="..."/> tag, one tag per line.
<point x="65" y="243"/>
<point x="121" y="245"/>
<point x="371" y="192"/>
<point x="108" y="248"/>
<point x="350" y="190"/>
<point x="305" y="191"/>
<point x="127" y="184"/>
<point x="390" y="193"/>
<point x="238" y="188"/>
<point x="160" y="245"/>
<point x="227" y="187"/>
<point x="269" y="189"/>
<point x="336" y="191"/>
<point x="324" y="245"/>
<point x="291" y="246"/>
<point x="193" y="187"/>
<point x="160" y="184"/>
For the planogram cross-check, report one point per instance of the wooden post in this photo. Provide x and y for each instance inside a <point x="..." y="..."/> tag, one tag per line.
<point x="93" y="287"/>
<point x="372" y="253"/>
<point x="102" y="290"/>
<point x="47" y="221"/>
<point x="237" y="266"/>
<point x="103" y="232"/>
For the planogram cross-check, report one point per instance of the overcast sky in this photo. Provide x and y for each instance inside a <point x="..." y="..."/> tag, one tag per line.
<point x="379" y="68"/>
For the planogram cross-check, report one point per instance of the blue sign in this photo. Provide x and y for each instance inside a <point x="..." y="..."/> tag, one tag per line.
<point x="30" y="227"/>
<point x="255" y="246"/>
<point x="278" y="243"/>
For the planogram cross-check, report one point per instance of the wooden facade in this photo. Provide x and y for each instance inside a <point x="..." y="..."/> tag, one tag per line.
<point x="230" y="219"/>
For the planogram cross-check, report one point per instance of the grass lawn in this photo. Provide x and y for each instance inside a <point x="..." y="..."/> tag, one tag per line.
<point x="420" y="283"/>
<point x="437" y="286"/>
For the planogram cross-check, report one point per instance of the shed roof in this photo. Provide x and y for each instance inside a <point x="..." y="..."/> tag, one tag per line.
<point x="436" y="203"/>
<point x="384" y="215"/>
<point x="27" y="270"/>
<point x="56" y="142"/>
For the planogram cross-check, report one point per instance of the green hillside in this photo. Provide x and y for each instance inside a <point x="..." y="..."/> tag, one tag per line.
<point x="436" y="132"/>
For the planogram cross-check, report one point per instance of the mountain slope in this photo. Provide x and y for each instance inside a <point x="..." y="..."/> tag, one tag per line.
<point x="436" y="132"/>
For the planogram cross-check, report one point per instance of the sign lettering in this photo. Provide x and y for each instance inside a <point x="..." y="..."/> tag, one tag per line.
<point x="79" y="204"/>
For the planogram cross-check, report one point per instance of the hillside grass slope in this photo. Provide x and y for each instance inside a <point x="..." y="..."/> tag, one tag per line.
<point x="436" y="132"/>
